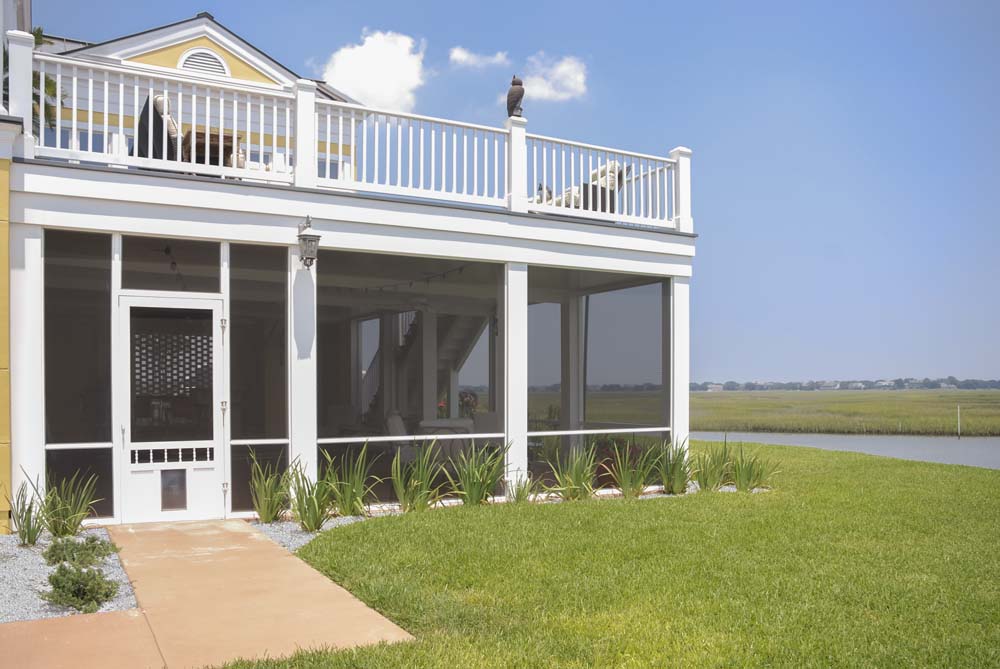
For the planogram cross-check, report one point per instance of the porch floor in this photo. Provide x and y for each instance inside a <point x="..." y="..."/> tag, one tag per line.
<point x="208" y="593"/>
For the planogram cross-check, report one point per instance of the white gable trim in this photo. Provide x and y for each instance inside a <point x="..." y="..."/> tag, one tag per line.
<point x="127" y="48"/>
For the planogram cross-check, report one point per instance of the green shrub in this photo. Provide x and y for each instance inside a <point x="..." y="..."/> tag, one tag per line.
<point x="268" y="489"/>
<point x="674" y="467"/>
<point x="713" y="468"/>
<point x="631" y="469"/>
<point x="414" y="482"/>
<point x="27" y="515"/>
<point x="752" y="471"/>
<point x="310" y="500"/>
<point x="522" y="490"/>
<point x="86" y="553"/>
<point x="574" y="476"/>
<point x="80" y="588"/>
<point x="478" y="473"/>
<point x="350" y="485"/>
<point x="67" y="504"/>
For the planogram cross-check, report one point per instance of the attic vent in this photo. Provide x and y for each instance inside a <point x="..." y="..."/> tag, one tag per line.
<point x="203" y="60"/>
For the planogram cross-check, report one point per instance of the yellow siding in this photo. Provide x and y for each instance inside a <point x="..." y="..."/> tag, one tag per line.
<point x="169" y="56"/>
<point x="5" y="473"/>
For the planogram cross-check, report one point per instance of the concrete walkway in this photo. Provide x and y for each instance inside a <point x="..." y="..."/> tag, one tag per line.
<point x="208" y="593"/>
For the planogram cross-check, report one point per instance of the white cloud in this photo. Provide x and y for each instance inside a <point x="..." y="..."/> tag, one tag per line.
<point x="554" y="80"/>
<point x="462" y="57"/>
<point x="384" y="71"/>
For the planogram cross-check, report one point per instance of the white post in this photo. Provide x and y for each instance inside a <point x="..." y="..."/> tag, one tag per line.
<point x="454" y="410"/>
<point x="573" y="330"/>
<point x="27" y="355"/>
<point x="682" y="189"/>
<point x="428" y="364"/>
<point x="20" y="46"/>
<point x="517" y="164"/>
<point x="305" y="133"/>
<point x="302" y="366"/>
<point x="514" y="389"/>
<point x="677" y="326"/>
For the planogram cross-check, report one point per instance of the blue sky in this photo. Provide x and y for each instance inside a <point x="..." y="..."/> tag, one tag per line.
<point x="846" y="156"/>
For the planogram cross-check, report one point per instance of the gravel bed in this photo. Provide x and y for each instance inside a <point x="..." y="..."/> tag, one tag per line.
<point x="288" y="533"/>
<point x="24" y="576"/>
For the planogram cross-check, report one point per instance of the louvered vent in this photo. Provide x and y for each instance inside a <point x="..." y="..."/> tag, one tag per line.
<point x="204" y="61"/>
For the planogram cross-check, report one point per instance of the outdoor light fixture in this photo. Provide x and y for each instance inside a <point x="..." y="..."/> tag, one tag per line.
<point x="308" y="243"/>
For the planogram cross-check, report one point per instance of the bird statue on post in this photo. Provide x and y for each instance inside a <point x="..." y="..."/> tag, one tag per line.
<point x="514" y="97"/>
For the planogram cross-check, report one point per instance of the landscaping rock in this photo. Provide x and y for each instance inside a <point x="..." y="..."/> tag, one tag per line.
<point x="288" y="534"/>
<point x="24" y="576"/>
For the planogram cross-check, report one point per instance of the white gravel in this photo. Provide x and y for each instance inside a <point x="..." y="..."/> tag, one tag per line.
<point x="287" y="533"/>
<point x="24" y="576"/>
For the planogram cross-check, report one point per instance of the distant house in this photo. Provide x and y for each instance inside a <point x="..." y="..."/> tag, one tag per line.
<point x="855" y="385"/>
<point x="883" y="384"/>
<point x="714" y="387"/>
<point x="829" y="385"/>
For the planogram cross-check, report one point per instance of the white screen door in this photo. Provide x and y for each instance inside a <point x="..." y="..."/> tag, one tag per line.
<point x="173" y="460"/>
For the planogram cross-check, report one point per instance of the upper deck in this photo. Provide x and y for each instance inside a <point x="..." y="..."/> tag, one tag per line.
<point x="160" y="120"/>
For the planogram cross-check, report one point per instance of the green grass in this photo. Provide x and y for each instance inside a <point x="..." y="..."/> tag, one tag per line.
<point x="929" y="412"/>
<point x="852" y="561"/>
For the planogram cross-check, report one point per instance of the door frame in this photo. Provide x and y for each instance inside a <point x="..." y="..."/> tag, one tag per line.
<point x="122" y="380"/>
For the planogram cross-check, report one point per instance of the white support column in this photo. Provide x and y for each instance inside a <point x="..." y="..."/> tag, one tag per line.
<point x="302" y="366"/>
<point x="517" y="164"/>
<point x="428" y="364"/>
<point x="388" y="336"/>
<point x="677" y="355"/>
<point x="305" y="133"/>
<point x="682" y="189"/>
<point x="454" y="409"/>
<point x="20" y="46"/>
<point x="514" y="326"/>
<point x="357" y="367"/>
<point x="27" y="355"/>
<point x="573" y="330"/>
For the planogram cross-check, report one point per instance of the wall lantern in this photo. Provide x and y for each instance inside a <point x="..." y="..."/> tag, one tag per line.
<point x="308" y="243"/>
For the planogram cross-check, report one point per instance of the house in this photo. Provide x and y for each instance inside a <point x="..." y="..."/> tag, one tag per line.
<point x="211" y="255"/>
<point x="829" y="385"/>
<point x="714" y="387"/>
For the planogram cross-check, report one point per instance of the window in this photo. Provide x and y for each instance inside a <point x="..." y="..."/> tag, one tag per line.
<point x="77" y="337"/>
<point x="203" y="60"/>
<point x="595" y="361"/>
<point x="62" y="464"/>
<point x="156" y="263"/>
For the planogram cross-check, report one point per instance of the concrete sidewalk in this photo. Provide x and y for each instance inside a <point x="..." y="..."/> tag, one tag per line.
<point x="208" y="593"/>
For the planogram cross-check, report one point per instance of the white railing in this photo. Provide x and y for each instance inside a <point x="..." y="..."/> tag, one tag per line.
<point x="137" y="116"/>
<point x="124" y="115"/>
<point x="598" y="182"/>
<point x="406" y="154"/>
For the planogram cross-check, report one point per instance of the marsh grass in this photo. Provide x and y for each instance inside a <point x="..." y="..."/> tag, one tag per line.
<point x="415" y="482"/>
<point x="674" y="467"/>
<point x="574" y="474"/>
<point x="26" y="515"/>
<point x="269" y="489"/>
<point x="478" y="473"/>
<point x="751" y="471"/>
<point x="631" y="468"/>
<point x="350" y="482"/>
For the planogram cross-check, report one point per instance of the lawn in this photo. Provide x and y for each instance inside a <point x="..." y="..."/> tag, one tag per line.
<point x="930" y="412"/>
<point x="853" y="561"/>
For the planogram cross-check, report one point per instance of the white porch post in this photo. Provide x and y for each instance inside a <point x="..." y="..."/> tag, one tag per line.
<point x="682" y="189"/>
<point x="677" y="355"/>
<point x="517" y="164"/>
<point x="428" y="364"/>
<point x="573" y="330"/>
<point x="305" y="133"/>
<point x="514" y="389"/>
<point x="27" y="355"/>
<point x="453" y="407"/>
<point x="20" y="46"/>
<point x="302" y="367"/>
<point x="388" y="336"/>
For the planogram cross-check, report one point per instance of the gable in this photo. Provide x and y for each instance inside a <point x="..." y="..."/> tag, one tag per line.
<point x="170" y="56"/>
